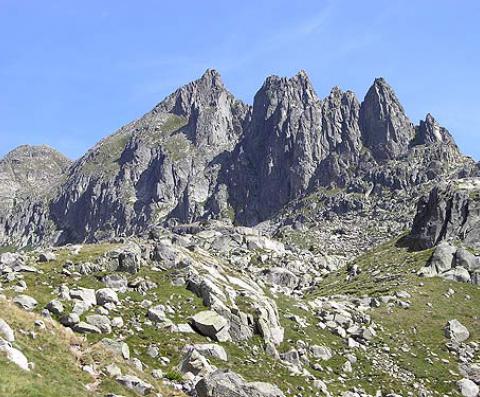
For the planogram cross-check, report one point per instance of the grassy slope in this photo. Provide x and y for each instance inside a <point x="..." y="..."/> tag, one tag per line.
<point x="50" y="351"/>
<point x="419" y="330"/>
<point x="386" y="269"/>
<point x="58" y="356"/>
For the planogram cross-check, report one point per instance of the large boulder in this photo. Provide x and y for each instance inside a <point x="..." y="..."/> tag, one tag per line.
<point x="55" y="307"/>
<point x="25" y="302"/>
<point x="6" y="331"/>
<point x="211" y="324"/>
<point x="442" y="258"/>
<point x="165" y="254"/>
<point x="101" y="322"/>
<point x="115" y="281"/>
<point x="195" y="363"/>
<point x="264" y="244"/>
<point x="229" y="384"/>
<point x="129" y="261"/>
<point x="136" y="384"/>
<point x="467" y="260"/>
<point x="157" y="314"/>
<point x="457" y="332"/>
<point x="47" y="257"/>
<point x="468" y="388"/>
<point x="85" y="295"/>
<point x="117" y="347"/>
<point x="321" y="352"/>
<point x="280" y="276"/>
<point x="14" y="355"/>
<point x="458" y="274"/>
<point x="85" y="328"/>
<point x="106" y="295"/>
<point x="210" y="350"/>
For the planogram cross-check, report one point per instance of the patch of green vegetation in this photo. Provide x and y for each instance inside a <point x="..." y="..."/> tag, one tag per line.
<point x="174" y="123"/>
<point x="383" y="270"/>
<point x="421" y="328"/>
<point x="415" y="336"/>
<point x="174" y="376"/>
<point x="303" y="240"/>
<point x="42" y="285"/>
<point x="177" y="147"/>
<point x="104" y="158"/>
<point x="58" y="357"/>
<point x="7" y="248"/>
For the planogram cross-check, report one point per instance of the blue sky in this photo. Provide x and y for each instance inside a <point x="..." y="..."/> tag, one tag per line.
<point x="72" y="72"/>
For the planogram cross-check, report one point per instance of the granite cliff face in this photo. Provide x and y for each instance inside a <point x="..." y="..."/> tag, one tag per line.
<point x="202" y="154"/>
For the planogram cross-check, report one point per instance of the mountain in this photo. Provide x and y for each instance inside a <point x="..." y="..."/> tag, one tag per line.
<point x="299" y="246"/>
<point x="202" y="154"/>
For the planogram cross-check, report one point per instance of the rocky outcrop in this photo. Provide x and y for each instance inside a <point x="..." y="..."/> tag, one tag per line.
<point x="450" y="212"/>
<point x="28" y="171"/>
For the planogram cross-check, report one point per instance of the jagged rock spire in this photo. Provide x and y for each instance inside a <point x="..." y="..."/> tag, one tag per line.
<point x="386" y="129"/>
<point x="430" y="132"/>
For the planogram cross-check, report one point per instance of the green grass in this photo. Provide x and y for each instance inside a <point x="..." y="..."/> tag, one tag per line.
<point x="385" y="270"/>
<point x="104" y="158"/>
<point x="173" y="124"/>
<point x="57" y="368"/>
<point x="177" y="147"/>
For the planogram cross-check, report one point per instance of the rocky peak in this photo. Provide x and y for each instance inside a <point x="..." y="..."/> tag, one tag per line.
<point x="340" y="111"/>
<point x="430" y="132"/>
<point x="30" y="167"/>
<point x="282" y="90"/>
<point x="386" y="129"/>
<point x="205" y="91"/>
<point x="212" y="114"/>
<point x="26" y="172"/>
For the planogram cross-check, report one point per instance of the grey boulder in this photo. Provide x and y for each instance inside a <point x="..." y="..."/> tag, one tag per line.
<point x="136" y="384"/>
<point x="229" y="384"/>
<point x="212" y="324"/>
<point x="6" y="331"/>
<point x="25" y="302"/>
<point x="457" y="332"/>
<point x="468" y="388"/>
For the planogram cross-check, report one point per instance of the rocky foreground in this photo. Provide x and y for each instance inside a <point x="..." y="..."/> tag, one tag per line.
<point x="296" y="247"/>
